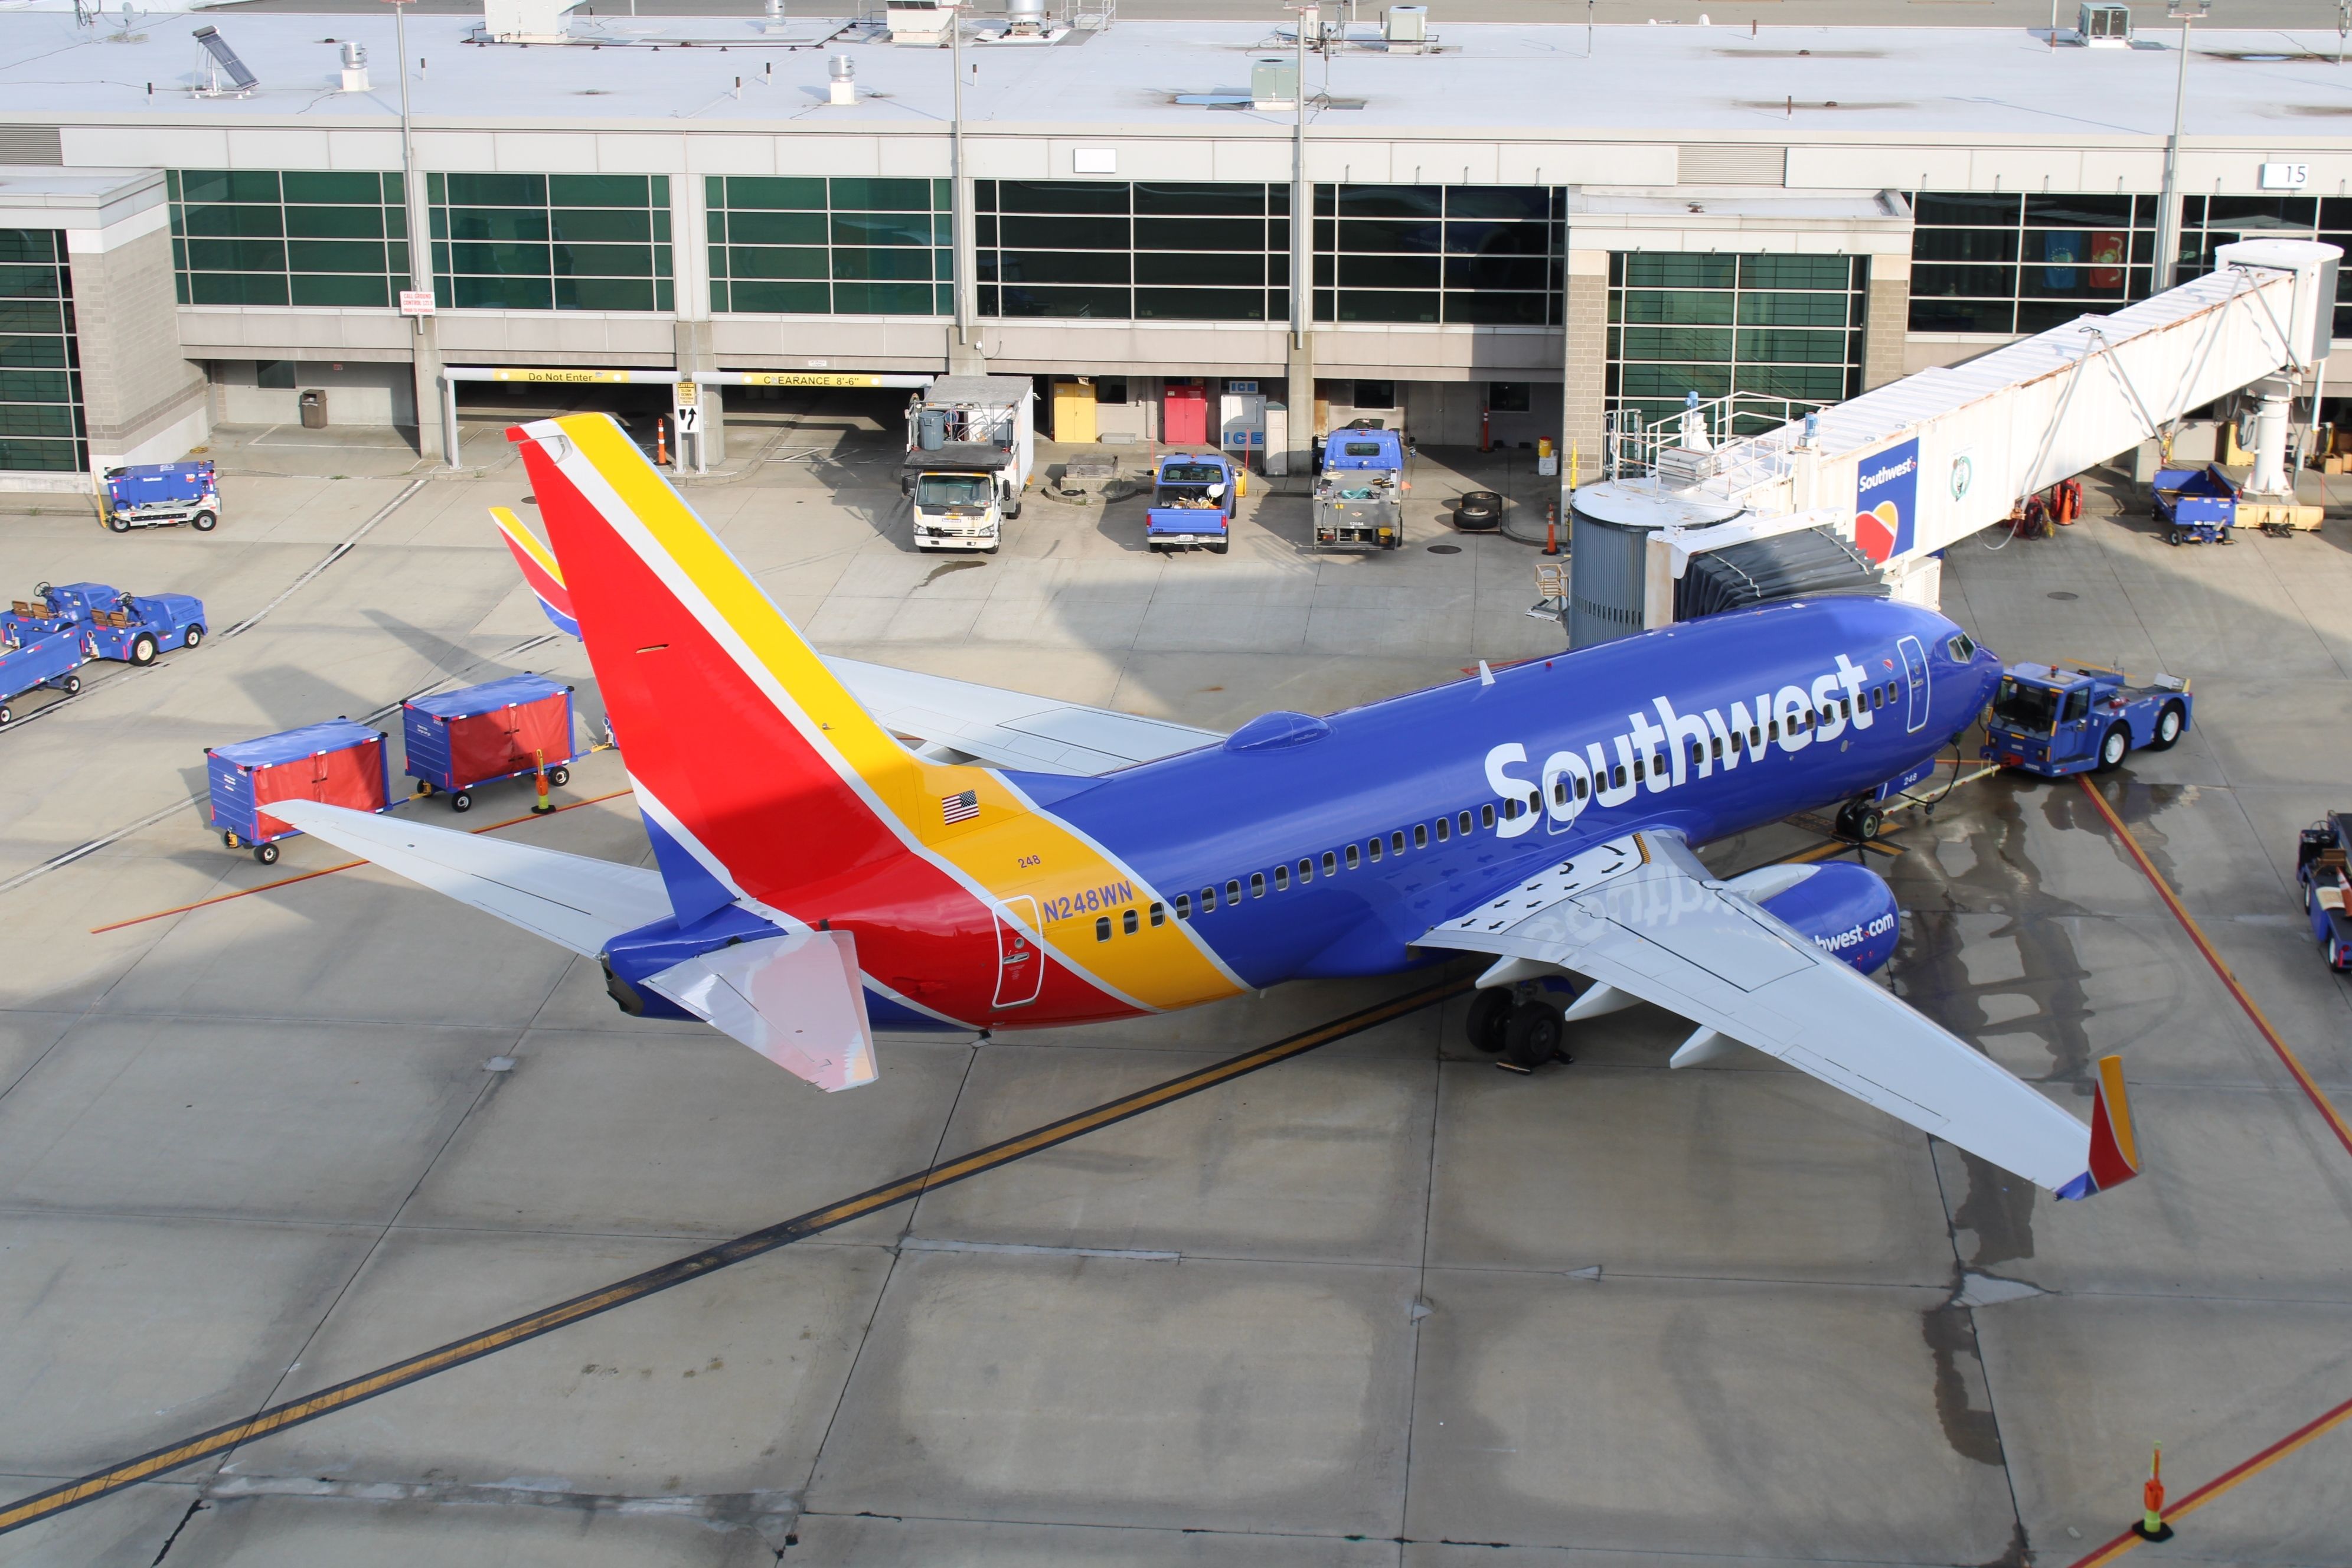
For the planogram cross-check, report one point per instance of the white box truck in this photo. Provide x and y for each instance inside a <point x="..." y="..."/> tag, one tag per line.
<point x="970" y="446"/>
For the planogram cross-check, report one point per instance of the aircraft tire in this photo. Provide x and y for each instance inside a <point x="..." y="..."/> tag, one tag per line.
<point x="1490" y="1018"/>
<point x="1533" y="1036"/>
<point x="2168" y="725"/>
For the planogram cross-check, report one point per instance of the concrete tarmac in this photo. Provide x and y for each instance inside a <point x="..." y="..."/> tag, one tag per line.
<point x="1382" y="1305"/>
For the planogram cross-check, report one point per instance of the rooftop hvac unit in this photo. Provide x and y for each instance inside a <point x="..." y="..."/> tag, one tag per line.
<point x="356" y="71"/>
<point x="1407" y="24"/>
<point x="844" y="86"/>
<point x="525" y="21"/>
<point x="1025" y="15"/>
<point x="1273" y="83"/>
<point x="2104" y="26"/>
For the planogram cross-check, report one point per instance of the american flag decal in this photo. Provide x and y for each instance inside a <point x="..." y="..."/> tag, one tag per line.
<point x="959" y="808"/>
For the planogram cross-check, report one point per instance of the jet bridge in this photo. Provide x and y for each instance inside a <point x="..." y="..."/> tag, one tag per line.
<point x="1919" y="464"/>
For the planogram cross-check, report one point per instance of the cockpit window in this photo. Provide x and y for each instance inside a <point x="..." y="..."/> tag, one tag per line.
<point x="1963" y="647"/>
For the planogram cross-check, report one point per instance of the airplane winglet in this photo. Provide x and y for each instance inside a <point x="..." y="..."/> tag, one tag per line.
<point x="539" y="570"/>
<point x="2115" y="1151"/>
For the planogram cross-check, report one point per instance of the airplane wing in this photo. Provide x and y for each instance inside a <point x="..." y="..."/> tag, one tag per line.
<point x="796" y="999"/>
<point x="1641" y="913"/>
<point x="571" y="900"/>
<point x="1004" y="729"/>
<point x="1009" y="729"/>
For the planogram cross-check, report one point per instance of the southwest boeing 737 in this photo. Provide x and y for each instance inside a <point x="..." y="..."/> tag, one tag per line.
<point x="1017" y="866"/>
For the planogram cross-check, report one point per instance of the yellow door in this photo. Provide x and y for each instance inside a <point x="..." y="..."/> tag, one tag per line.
<point x="1074" y="411"/>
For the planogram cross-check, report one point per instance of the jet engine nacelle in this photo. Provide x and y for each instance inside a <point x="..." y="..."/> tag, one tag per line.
<point x="1845" y="909"/>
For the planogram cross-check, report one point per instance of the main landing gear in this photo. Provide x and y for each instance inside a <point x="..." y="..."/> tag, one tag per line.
<point x="1524" y="1031"/>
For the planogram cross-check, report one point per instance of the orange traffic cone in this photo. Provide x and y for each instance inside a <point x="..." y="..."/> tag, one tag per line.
<point x="545" y="804"/>
<point x="2151" y="1525"/>
<point x="661" y="442"/>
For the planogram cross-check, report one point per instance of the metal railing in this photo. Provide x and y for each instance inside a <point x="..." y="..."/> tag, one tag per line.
<point x="1728" y="443"/>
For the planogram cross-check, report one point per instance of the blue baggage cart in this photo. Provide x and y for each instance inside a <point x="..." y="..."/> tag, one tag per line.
<point x="2197" y="506"/>
<point x="157" y="495"/>
<point x="339" y="762"/>
<point x="33" y="659"/>
<point x="459" y="740"/>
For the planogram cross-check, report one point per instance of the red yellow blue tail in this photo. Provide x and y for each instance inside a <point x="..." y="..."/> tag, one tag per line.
<point x="539" y="570"/>
<point x="776" y="788"/>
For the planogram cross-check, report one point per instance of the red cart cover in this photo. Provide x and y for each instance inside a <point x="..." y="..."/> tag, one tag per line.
<point x="349" y="776"/>
<point x="509" y="740"/>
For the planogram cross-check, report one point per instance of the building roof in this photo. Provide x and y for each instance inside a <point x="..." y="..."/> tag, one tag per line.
<point x="1779" y="85"/>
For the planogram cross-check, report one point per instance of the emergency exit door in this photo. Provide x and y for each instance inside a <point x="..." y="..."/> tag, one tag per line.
<point x="1020" y="965"/>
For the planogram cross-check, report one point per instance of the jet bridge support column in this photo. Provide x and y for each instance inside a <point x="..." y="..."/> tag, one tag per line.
<point x="2276" y="395"/>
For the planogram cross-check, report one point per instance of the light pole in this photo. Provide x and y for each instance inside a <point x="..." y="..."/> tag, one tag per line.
<point x="2167" y="206"/>
<point x="424" y="346"/>
<point x="960" y="216"/>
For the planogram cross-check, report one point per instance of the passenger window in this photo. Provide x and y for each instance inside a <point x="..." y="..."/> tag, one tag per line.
<point x="1207" y="901"/>
<point x="1715" y="748"/>
<point x="1233" y="891"/>
<point x="1102" y="928"/>
<point x="1637" y="770"/>
<point x="1419" y="836"/>
<point x="1305" y="871"/>
<point x="1396" y="841"/>
<point x="1183" y="906"/>
<point x="1353" y="860"/>
<point x="1772" y="730"/>
<point x="1128" y="923"/>
<point x="1373" y="845"/>
<point x="1159" y="913"/>
<point x="1257" y="885"/>
<point x="1282" y="878"/>
<point x="1442" y="834"/>
<point x="1559" y="789"/>
<point x="1331" y="863"/>
<point x="1580" y="786"/>
<point x="1755" y="737"/>
<point x="1464" y="821"/>
<point x="1487" y="814"/>
<point x="1619" y="775"/>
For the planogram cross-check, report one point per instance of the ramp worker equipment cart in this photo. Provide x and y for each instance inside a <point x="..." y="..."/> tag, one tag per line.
<point x="507" y="729"/>
<point x="339" y="762"/>
<point x="2197" y="506"/>
<point x="2319" y="866"/>
<point x="157" y="495"/>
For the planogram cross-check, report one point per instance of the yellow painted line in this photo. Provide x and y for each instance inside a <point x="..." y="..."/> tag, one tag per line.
<point x="2245" y="1470"/>
<point x="277" y="1418"/>
<point x="344" y="865"/>
<point x="2311" y="1090"/>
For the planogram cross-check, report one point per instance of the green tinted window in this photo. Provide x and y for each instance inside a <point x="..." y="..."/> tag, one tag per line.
<point x="841" y="246"/>
<point x="41" y="426"/>
<point x="550" y="242"/>
<point x="301" y="237"/>
<point x="1798" y="338"/>
<point x="1486" y="254"/>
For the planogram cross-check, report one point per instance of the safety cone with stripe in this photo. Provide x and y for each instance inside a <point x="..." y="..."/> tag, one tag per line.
<point x="2151" y="1525"/>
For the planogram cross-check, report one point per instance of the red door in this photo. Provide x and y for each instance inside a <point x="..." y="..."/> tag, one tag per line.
<point x="1184" y="416"/>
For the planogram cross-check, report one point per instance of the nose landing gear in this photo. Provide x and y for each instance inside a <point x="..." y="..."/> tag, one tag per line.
<point x="1519" y="1026"/>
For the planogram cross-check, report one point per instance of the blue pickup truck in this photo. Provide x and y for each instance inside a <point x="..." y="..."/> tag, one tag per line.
<point x="2056" y="720"/>
<point x="1193" y="500"/>
<point x="45" y="639"/>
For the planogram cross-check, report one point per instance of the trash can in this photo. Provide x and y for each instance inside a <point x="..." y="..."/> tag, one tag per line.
<point x="314" y="408"/>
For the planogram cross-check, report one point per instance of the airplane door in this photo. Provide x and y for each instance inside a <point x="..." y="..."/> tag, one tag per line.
<point x="1915" y="676"/>
<point x="1020" y="966"/>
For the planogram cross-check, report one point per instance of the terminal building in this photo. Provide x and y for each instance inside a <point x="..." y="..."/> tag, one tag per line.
<point x="1485" y="234"/>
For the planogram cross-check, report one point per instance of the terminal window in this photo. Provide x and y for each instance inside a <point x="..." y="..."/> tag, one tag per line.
<point x="260" y="236"/>
<point x="1771" y="326"/>
<point x="2209" y="223"/>
<point x="550" y="242"/>
<point x="809" y="246"/>
<point x="1133" y="250"/>
<point x="1483" y="255"/>
<point x="2003" y="262"/>
<point x="41" y="424"/>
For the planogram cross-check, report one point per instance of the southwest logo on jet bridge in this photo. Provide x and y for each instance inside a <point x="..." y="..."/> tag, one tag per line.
<point x="1659" y="754"/>
<point x="1887" y="500"/>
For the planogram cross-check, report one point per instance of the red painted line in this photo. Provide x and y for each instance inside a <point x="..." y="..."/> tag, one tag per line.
<point x="2245" y="1470"/>
<point x="330" y="870"/>
<point x="2189" y="923"/>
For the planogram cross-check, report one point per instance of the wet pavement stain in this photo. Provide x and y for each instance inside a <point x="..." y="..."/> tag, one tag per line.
<point x="1998" y="1211"/>
<point x="1951" y="1335"/>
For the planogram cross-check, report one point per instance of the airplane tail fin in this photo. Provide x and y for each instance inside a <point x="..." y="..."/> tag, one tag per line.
<point x="539" y="570"/>
<point x="757" y="771"/>
<point x="2115" y="1149"/>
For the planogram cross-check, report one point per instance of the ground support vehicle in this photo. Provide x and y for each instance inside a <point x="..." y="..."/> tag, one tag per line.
<point x="2319" y="867"/>
<point x="2059" y="720"/>
<point x="339" y="762"/>
<point x="459" y="740"/>
<point x="158" y="495"/>
<point x="1193" y="495"/>
<point x="1360" y="492"/>
<point x="41" y="660"/>
<point x="970" y="449"/>
<point x="108" y="623"/>
<point x="2197" y="506"/>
